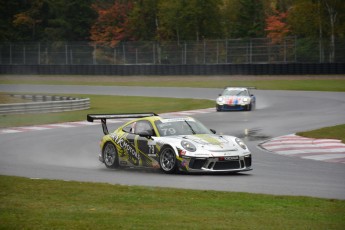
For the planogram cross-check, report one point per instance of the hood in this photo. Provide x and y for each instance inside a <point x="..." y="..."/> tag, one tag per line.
<point x="211" y="142"/>
<point x="235" y="99"/>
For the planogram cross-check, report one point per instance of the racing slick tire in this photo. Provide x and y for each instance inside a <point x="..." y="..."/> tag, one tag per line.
<point x="110" y="155"/>
<point x="167" y="160"/>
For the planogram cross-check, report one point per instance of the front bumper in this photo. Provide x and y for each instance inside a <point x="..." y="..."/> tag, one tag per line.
<point x="231" y="107"/>
<point x="216" y="164"/>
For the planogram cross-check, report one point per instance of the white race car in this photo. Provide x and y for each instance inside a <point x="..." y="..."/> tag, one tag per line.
<point x="171" y="144"/>
<point x="234" y="98"/>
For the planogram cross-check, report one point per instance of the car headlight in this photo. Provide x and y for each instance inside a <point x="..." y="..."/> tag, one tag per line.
<point x="220" y="100"/>
<point x="245" y="99"/>
<point x="188" y="146"/>
<point x="240" y="143"/>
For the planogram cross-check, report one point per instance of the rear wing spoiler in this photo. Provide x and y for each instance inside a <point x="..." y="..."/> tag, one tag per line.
<point x="105" y="117"/>
<point x="248" y="87"/>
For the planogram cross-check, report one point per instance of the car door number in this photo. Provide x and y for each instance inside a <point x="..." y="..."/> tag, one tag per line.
<point x="151" y="152"/>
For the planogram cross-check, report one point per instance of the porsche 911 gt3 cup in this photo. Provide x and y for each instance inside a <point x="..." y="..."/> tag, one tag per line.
<point x="171" y="144"/>
<point x="235" y="99"/>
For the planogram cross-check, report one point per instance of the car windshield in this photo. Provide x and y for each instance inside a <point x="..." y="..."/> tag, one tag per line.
<point x="235" y="92"/>
<point x="180" y="126"/>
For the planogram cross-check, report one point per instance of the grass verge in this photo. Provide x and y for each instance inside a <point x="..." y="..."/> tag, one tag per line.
<point x="51" y="204"/>
<point x="7" y="99"/>
<point x="306" y="83"/>
<point x="334" y="132"/>
<point x="107" y="104"/>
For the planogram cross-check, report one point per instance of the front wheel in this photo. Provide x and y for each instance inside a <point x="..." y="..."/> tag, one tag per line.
<point x="110" y="156"/>
<point x="167" y="160"/>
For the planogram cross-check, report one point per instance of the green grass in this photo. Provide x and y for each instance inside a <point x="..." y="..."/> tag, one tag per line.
<point x="7" y="99"/>
<point x="306" y="83"/>
<point x="334" y="132"/>
<point x="107" y="104"/>
<point x="52" y="204"/>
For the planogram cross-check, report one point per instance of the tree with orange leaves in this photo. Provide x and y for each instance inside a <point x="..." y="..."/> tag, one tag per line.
<point x="111" y="26"/>
<point x="276" y="26"/>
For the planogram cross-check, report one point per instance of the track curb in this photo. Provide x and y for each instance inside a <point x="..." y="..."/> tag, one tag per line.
<point x="327" y="150"/>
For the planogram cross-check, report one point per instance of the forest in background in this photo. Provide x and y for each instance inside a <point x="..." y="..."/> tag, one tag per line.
<point x="316" y="26"/>
<point x="112" y="21"/>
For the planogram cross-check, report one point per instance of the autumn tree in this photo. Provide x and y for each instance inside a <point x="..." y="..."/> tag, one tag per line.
<point x="53" y="20"/>
<point x="31" y="18"/>
<point x="8" y="31"/>
<point x="111" y="25"/>
<point x="276" y="26"/>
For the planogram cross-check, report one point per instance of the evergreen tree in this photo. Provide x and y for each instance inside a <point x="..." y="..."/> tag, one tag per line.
<point x="251" y="19"/>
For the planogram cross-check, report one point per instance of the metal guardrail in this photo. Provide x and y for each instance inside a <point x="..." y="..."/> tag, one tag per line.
<point x="45" y="104"/>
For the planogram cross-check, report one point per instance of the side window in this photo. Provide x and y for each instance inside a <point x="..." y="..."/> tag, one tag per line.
<point x="138" y="127"/>
<point x="143" y="126"/>
<point x="129" y="128"/>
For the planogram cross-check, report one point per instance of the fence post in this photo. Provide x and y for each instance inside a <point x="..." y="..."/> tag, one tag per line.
<point x="251" y="51"/>
<point x="66" y="54"/>
<point x="24" y="56"/>
<point x="94" y="53"/>
<point x="217" y="51"/>
<point x="39" y="53"/>
<point x="226" y="51"/>
<point x="114" y="56"/>
<point x="10" y="53"/>
<point x="124" y="53"/>
<point x="153" y="53"/>
<point x="284" y="50"/>
<point x="295" y="49"/>
<point x="185" y="53"/>
<point x="204" y="52"/>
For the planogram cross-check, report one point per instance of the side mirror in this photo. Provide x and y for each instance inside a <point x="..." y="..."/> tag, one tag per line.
<point x="213" y="131"/>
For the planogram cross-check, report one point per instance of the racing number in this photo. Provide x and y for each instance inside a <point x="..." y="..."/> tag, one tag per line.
<point x="152" y="150"/>
<point x="170" y="131"/>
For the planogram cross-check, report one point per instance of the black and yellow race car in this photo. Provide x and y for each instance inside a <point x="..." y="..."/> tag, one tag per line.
<point x="171" y="144"/>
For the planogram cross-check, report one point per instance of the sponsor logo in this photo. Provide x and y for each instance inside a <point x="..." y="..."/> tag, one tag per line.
<point x="125" y="146"/>
<point x="231" y="158"/>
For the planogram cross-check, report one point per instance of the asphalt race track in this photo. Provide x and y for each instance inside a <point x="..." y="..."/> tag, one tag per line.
<point x="71" y="154"/>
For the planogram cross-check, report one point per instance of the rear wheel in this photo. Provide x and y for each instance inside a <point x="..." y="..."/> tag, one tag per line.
<point x="110" y="156"/>
<point x="167" y="160"/>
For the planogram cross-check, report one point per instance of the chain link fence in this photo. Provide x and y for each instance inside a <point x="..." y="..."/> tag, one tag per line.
<point x="229" y="51"/>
